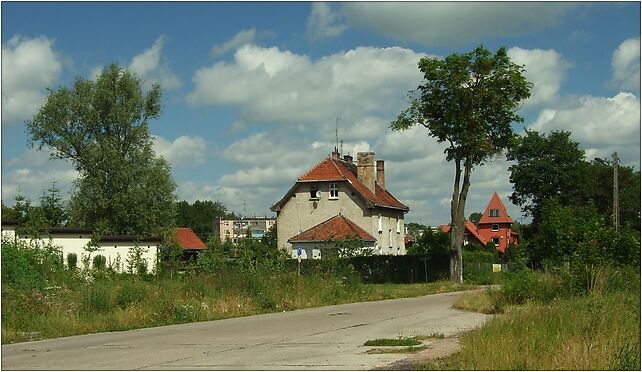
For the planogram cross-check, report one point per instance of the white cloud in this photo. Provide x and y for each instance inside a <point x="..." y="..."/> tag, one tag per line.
<point x="626" y="65"/>
<point x="241" y="38"/>
<point x="149" y="67"/>
<point x="32" y="172"/>
<point x="601" y="125"/>
<point x="323" y="22"/>
<point x="271" y="85"/>
<point x="448" y="23"/>
<point x="546" y="69"/>
<point x="28" y="67"/>
<point x="184" y="150"/>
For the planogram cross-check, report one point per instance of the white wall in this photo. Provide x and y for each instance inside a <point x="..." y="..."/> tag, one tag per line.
<point x="76" y="243"/>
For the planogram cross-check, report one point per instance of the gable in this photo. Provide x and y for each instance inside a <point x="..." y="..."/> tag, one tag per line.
<point x="495" y="212"/>
<point x="335" y="228"/>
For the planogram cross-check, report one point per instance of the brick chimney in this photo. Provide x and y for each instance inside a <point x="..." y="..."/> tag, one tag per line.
<point x="381" y="176"/>
<point x="365" y="169"/>
<point x="347" y="159"/>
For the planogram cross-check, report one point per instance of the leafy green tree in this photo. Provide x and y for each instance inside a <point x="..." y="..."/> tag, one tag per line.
<point x="102" y="128"/>
<point x="199" y="215"/>
<point x="546" y="167"/>
<point x="171" y="252"/>
<point x="270" y="237"/>
<point x="468" y="101"/>
<point x="475" y="217"/>
<point x="600" y="190"/>
<point x="9" y="213"/>
<point x="431" y="243"/>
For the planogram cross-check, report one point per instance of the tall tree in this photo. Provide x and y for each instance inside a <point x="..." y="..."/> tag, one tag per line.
<point x="53" y="208"/>
<point x="199" y="216"/>
<point x="102" y="128"/>
<point x="546" y="166"/>
<point x="468" y="101"/>
<point x="475" y="217"/>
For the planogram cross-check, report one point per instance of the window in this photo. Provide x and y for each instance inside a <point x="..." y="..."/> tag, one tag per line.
<point x="496" y="241"/>
<point x="493" y="213"/>
<point x="398" y="226"/>
<point x="494" y="227"/>
<point x="314" y="192"/>
<point x="390" y="238"/>
<point x="380" y="224"/>
<point x="334" y="191"/>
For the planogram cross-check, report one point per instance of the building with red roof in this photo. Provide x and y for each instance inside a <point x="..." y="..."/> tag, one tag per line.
<point x="494" y="226"/>
<point x="339" y="198"/>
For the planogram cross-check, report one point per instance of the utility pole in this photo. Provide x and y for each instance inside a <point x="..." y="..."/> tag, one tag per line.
<point x="616" y="191"/>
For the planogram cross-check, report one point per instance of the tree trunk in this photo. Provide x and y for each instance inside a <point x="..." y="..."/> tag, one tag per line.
<point x="457" y="209"/>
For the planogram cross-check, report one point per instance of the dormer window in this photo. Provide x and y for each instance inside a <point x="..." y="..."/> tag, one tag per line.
<point x="494" y="227"/>
<point x="334" y="191"/>
<point x="493" y="213"/>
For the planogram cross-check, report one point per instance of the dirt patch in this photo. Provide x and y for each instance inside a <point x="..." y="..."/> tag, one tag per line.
<point x="435" y="349"/>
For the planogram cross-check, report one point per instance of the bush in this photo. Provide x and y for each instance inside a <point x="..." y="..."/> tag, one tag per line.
<point x="99" y="262"/>
<point x="526" y="285"/>
<point x="96" y="298"/>
<point x="72" y="261"/>
<point x="30" y="265"/>
<point x="130" y="292"/>
<point x="478" y="267"/>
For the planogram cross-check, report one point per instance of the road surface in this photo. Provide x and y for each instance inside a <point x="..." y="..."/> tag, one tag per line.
<point x="325" y="338"/>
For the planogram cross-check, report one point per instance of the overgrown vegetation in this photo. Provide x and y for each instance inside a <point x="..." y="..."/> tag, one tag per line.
<point x="42" y="298"/>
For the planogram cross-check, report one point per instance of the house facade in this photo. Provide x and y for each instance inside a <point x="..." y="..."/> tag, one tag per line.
<point x="339" y="196"/>
<point x="234" y="229"/>
<point x="496" y="225"/>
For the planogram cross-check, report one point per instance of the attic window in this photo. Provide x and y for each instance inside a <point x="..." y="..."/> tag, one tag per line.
<point x="314" y="192"/>
<point x="494" y="227"/>
<point x="334" y="191"/>
<point x="493" y="213"/>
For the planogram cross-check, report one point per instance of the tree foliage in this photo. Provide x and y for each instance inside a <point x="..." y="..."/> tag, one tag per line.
<point x="101" y="126"/>
<point x="468" y="101"/>
<point x="475" y="217"/>
<point x="199" y="216"/>
<point x="546" y="166"/>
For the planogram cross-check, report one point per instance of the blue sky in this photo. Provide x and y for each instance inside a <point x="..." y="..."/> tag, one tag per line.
<point x="252" y="90"/>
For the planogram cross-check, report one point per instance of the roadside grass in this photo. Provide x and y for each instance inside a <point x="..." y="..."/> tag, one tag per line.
<point x="542" y="325"/>
<point x="123" y="302"/>
<point x="405" y="350"/>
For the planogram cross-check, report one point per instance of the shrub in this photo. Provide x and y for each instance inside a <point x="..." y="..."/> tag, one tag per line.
<point x="96" y="298"/>
<point x="99" y="262"/>
<point x="478" y="267"/>
<point x="30" y="265"/>
<point x="72" y="261"/>
<point x="130" y="292"/>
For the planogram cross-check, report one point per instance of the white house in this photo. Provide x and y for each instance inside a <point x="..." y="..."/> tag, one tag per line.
<point x="115" y="248"/>
<point x="338" y="199"/>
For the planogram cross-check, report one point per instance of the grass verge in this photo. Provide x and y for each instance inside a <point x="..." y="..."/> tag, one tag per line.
<point x="593" y="332"/>
<point x="125" y="302"/>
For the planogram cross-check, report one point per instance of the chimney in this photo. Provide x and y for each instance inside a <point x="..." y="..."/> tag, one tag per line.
<point x="381" y="176"/>
<point x="347" y="159"/>
<point x="365" y="169"/>
<point x="335" y="153"/>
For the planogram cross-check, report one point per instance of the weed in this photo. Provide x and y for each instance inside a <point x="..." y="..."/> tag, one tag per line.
<point x="400" y="341"/>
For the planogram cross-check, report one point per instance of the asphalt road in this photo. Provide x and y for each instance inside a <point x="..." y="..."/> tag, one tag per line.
<point x="326" y="338"/>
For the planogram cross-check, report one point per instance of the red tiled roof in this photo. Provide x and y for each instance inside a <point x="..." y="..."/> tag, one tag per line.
<point x="188" y="239"/>
<point x="495" y="203"/>
<point x="336" y="228"/>
<point x="470" y="228"/>
<point x="332" y="169"/>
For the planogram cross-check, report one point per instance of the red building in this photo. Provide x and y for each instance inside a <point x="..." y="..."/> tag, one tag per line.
<point x="496" y="225"/>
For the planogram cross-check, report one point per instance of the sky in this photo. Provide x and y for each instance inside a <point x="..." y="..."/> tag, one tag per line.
<point x="252" y="91"/>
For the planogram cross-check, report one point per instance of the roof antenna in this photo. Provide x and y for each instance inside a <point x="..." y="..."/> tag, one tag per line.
<point x="336" y="132"/>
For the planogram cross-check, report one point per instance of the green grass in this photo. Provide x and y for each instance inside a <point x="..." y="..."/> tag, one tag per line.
<point x="400" y="341"/>
<point x="123" y="302"/>
<point x="405" y="350"/>
<point x="540" y="326"/>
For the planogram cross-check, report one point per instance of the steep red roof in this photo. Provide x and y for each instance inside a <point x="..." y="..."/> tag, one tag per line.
<point x="495" y="203"/>
<point x="188" y="239"/>
<point x="336" y="228"/>
<point x="470" y="228"/>
<point x="333" y="169"/>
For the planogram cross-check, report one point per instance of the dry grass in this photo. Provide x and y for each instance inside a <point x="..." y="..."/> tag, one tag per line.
<point x="482" y="302"/>
<point x="582" y="333"/>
